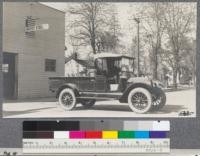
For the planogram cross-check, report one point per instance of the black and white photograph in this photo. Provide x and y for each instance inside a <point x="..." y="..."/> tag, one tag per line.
<point x="99" y="59"/>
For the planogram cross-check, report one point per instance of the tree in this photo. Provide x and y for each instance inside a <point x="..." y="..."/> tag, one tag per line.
<point x="114" y="29"/>
<point x="107" y="41"/>
<point x="89" y="20"/>
<point x="154" y="27"/>
<point x="178" y="19"/>
<point x="188" y="54"/>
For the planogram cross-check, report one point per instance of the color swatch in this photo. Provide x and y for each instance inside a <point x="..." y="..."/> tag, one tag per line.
<point x="109" y="136"/>
<point x="95" y="130"/>
<point x="95" y="134"/>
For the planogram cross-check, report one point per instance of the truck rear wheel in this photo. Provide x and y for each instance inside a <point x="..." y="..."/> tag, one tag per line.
<point x="140" y="100"/>
<point x="67" y="99"/>
<point x="88" y="103"/>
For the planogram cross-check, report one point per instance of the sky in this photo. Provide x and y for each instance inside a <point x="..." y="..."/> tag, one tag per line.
<point x="128" y="25"/>
<point x="125" y="12"/>
<point x="123" y="15"/>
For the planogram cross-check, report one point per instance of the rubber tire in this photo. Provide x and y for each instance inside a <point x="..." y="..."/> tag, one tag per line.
<point x="73" y="105"/>
<point x="158" y="92"/>
<point x="146" y="93"/>
<point x="88" y="103"/>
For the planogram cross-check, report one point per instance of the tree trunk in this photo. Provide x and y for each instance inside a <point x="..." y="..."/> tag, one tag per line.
<point x="175" y="78"/>
<point x="176" y="67"/>
<point x="155" y="72"/>
<point x="194" y="78"/>
<point x="155" y="63"/>
<point x="93" y="47"/>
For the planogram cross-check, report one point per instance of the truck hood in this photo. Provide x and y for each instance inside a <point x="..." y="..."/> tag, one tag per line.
<point x="146" y="80"/>
<point x="139" y="80"/>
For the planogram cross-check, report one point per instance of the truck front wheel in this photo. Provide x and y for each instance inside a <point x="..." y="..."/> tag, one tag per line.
<point x="67" y="99"/>
<point x="140" y="100"/>
<point x="159" y="99"/>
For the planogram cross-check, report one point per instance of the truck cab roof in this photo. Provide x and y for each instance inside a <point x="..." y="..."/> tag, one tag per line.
<point x="111" y="55"/>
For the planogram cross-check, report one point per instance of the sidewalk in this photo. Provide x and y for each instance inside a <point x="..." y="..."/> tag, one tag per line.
<point x="177" y="101"/>
<point x="179" y="88"/>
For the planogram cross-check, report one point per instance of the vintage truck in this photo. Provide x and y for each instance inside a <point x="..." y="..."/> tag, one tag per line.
<point x="112" y="79"/>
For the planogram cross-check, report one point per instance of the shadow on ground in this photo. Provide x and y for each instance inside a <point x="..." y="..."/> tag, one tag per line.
<point x="125" y="108"/>
<point x="13" y="113"/>
<point x="31" y="100"/>
<point x="170" y="109"/>
<point x="167" y="109"/>
<point x="108" y="107"/>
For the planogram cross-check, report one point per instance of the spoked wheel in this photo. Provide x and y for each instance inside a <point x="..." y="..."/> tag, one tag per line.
<point x="158" y="99"/>
<point x="139" y="100"/>
<point x="67" y="99"/>
<point x="88" y="103"/>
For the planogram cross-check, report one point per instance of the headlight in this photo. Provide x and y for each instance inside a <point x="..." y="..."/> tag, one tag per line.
<point x="158" y="84"/>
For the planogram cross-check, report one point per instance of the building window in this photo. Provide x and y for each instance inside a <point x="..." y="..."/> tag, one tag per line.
<point x="50" y="65"/>
<point x="30" y="23"/>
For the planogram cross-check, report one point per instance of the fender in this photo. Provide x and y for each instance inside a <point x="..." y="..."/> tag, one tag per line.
<point x="124" y="97"/>
<point x="68" y="85"/>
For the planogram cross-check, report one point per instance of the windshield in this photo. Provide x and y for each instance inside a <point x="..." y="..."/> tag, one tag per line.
<point x="127" y="65"/>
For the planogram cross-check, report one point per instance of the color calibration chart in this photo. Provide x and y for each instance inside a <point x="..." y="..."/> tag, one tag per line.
<point x="95" y="137"/>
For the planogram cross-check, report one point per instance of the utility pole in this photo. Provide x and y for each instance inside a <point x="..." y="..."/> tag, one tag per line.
<point x="137" y="20"/>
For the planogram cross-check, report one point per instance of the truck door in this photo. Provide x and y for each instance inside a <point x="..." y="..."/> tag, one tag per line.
<point x="86" y="84"/>
<point x="100" y="83"/>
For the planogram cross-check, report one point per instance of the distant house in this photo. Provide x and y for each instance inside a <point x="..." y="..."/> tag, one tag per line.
<point x="77" y="67"/>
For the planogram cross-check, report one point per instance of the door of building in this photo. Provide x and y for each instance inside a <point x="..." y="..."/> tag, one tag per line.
<point x="9" y="75"/>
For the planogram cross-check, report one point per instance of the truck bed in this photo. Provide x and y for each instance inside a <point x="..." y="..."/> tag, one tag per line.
<point x="85" y="83"/>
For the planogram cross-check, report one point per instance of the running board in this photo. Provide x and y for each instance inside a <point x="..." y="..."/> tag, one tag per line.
<point x="100" y="95"/>
<point x="96" y="98"/>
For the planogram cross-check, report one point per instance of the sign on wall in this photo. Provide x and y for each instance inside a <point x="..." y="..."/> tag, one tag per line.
<point x="37" y="28"/>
